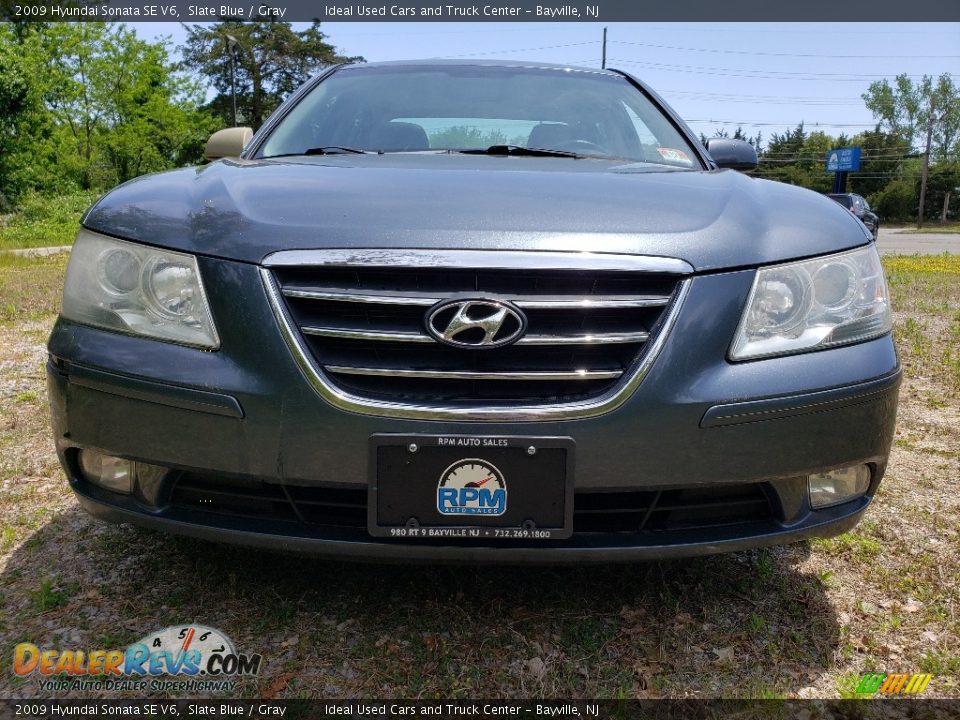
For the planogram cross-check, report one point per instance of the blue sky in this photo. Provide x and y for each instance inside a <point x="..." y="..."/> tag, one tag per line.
<point x="763" y="76"/>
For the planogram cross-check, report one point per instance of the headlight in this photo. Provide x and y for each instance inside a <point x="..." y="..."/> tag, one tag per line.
<point x="137" y="289"/>
<point x="814" y="304"/>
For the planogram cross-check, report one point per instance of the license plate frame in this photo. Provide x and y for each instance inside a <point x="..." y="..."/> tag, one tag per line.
<point x="535" y="474"/>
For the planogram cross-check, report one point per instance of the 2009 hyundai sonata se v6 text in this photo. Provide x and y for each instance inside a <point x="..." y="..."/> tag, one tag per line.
<point x="474" y="312"/>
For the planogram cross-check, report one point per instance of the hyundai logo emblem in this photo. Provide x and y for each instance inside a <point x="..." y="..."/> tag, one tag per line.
<point x="476" y="323"/>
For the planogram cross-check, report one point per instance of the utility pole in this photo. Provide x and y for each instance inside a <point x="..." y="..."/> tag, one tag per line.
<point x="926" y="166"/>
<point x="232" y="44"/>
<point x="603" y="62"/>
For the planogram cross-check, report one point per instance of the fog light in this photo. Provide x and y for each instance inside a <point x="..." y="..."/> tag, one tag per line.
<point x="838" y="486"/>
<point x="111" y="473"/>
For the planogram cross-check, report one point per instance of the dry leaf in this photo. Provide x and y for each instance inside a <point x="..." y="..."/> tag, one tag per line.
<point x="279" y="683"/>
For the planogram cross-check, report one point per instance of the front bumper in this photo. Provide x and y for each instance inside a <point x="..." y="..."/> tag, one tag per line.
<point x="697" y="421"/>
<point x="357" y="546"/>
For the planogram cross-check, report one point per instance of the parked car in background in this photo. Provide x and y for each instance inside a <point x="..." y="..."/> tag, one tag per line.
<point x="474" y="311"/>
<point x="858" y="205"/>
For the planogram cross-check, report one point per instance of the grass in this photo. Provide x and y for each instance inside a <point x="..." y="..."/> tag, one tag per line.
<point x="44" y="222"/>
<point x="804" y="620"/>
<point x="30" y="287"/>
<point x="937" y="227"/>
<point x="51" y="594"/>
<point x="930" y="225"/>
<point x="925" y="293"/>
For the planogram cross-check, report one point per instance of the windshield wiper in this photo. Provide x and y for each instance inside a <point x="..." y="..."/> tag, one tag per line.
<point x="335" y="150"/>
<point x="520" y="150"/>
<point x="325" y="150"/>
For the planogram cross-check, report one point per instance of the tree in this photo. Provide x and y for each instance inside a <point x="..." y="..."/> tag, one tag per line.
<point x="897" y="199"/>
<point x="739" y="134"/>
<point x="23" y="120"/>
<point x="121" y="105"/>
<point x="796" y="157"/>
<point x="270" y="60"/>
<point x="28" y="161"/>
<point x="882" y="160"/>
<point x="925" y="112"/>
<point x="944" y="177"/>
<point x="911" y="109"/>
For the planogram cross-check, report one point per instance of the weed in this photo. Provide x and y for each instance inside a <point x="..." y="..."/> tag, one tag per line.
<point x="44" y="222"/>
<point x="51" y="594"/>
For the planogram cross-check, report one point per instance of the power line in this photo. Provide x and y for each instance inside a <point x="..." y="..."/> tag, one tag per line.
<point x="518" y="50"/>
<point x="755" y="74"/>
<point x="820" y="158"/>
<point x="774" y="54"/>
<point x="789" y="30"/>
<point x="865" y="155"/>
<point x="778" y="123"/>
<point x="766" y="99"/>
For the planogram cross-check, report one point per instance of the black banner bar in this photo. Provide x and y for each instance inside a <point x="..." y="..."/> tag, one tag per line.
<point x="482" y="11"/>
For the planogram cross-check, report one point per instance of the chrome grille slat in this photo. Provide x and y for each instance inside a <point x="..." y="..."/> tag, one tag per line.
<point x="525" y="302"/>
<point x="375" y="335"/>
<point x="599" y="303"/>
<point x="589" y="339"/>
<point x="413" y="337"/>
<point x="356" y="323"/>
<point x="469" y="375"/>
<point x="522" y="260"/>
<point x="377" y="299"/>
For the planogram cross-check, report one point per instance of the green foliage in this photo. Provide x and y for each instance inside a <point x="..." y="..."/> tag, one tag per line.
<point x="896" y="201"/>
<point x="738" y="134"/>
<point x="88" y="105"/>
<point x="882" y="160"/>
<point x="41" y="221"/>
<point x="910" y="109"/>
<point x="943" y="177"/>
<point x="269" y="61"/>
<point x="797" y="157"/>
<point x="51" y="594"/>
<point x="123" y="107"/>
<point x="24" y="121"/>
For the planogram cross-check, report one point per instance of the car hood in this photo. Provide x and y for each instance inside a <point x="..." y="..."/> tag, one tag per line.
<point x="245" y="210"/>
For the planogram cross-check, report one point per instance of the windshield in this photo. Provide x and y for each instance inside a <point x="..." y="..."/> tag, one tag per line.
<point x="464" y="108"/>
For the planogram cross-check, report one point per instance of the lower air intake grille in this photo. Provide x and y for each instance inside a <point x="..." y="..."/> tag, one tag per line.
<point x="658" y="510"/>
<point x="641" y="511"/>
<point x="343" y="507"/>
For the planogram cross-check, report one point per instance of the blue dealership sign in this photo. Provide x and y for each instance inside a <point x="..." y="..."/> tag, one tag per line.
<point x="843" y="159"/>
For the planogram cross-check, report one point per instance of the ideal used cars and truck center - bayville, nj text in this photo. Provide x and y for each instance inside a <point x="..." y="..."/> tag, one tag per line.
<point x="474" y="311"/>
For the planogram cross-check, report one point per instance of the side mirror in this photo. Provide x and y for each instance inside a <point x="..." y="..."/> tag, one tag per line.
<point x="734" y="154"/>
<point x="227" y="143"/>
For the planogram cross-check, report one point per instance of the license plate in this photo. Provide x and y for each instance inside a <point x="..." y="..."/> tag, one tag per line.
<point x="471" y="487"/>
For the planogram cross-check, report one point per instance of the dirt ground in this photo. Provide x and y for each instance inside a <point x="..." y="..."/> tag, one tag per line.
<point x="804" y="620"/>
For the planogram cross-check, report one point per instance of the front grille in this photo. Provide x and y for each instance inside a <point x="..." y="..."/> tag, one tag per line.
<point x="364" y="325"/>
<point x="634" y="511"/>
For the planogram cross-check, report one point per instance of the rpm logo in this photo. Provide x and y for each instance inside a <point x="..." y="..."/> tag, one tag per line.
<point x="472" y="487"/>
